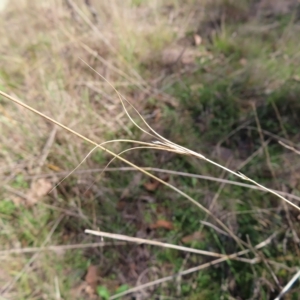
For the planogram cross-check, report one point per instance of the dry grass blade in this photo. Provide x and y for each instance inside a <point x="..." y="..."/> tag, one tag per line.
<point x="58" y="248"/>
<point x="165" y="171"/>
<point x="57" y="290"/>
<point x="194" y="269"/>
<point x="288" y="286"/>
<point x="289" y="147"/>
<point x="163" y="141"/>
<point x="153" y="243"/>
<point x="119" y="154"/>
<point x="173" y="146"/>
<point x="271" y="191"/>
<point x="150" y="146"/>
<point x="213" y="227"/>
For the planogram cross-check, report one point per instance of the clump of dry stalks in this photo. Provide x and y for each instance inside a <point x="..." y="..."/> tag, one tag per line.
<point x="161" y="143"/>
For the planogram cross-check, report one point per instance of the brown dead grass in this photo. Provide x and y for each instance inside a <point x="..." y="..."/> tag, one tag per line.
<point x="42" y="43"/>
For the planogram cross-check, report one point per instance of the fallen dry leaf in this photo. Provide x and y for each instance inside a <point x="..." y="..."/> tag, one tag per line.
<point x="196" y="236"/>
<point x="162" y="224"/>
<point x="38" y="189"/>
<point x="151" y="185"/>
<point x="91" y="277"/>
<point x="54" y="168"/>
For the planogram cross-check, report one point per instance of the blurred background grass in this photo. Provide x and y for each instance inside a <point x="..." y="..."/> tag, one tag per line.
<point x="207" y="75"/>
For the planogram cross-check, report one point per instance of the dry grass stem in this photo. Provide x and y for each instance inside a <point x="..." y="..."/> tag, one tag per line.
<point x="153" y="243"/>
<point x="288" y="286"/>
<point x="213" y="227"/>
<point x="171" y="172"/>
<point x="289" y="147"/>
<point x="59" y="248"/>
<point x="150" y="146"/>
